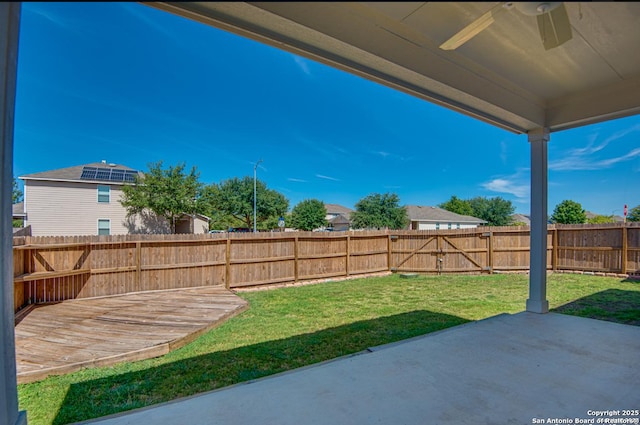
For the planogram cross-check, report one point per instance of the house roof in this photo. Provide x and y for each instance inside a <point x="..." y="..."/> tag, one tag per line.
<point x="428" y="213"/>
<point x="74" y="173"/>
<point x="337" y="209"/>
<point x="18" y="210"/>
<point x="339" y="219"/>
<point x="615" y="218"/>
<point x="521" y="218"/>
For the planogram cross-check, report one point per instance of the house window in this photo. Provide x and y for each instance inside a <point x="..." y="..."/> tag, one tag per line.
<point x="449" y="226"/>
<point x="457" y="225"/>
<point x="104" y="193"/>
<point x="104" y="226"/>
<point x="437" y="226"/>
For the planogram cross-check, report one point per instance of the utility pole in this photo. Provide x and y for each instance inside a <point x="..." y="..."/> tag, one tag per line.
<point x="255" y="198"/>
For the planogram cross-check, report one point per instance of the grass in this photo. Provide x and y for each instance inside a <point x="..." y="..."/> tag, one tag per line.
<point x="297" y="326"/>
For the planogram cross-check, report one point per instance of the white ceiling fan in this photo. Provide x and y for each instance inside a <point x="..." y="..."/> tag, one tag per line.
<point x="553" y="23"/>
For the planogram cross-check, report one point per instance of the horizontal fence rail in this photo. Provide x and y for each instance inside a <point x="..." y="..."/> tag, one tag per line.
<point x="52" y="269"/>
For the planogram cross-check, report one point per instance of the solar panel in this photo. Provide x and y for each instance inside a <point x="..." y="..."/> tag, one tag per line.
<point x="108" y="174"/>
<point x="88" y="173"/>
<point x="130" y="175"/>
<point x="103" y="174"/>
<point x="117" y="175"/>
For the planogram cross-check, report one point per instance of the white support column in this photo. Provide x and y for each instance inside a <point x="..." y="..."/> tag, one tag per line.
<point x="9" y="30"/>
<point x="537" y="302"/>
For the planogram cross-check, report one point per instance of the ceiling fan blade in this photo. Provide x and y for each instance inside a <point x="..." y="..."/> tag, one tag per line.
<point x="554" y="27"/>
<point x="473" y="29"/>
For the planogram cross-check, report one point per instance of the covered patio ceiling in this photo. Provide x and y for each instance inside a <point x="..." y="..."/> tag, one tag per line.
<point x="503" y="75"/>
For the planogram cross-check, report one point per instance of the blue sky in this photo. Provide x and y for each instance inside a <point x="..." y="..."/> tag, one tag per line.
<point x="134" y="85"/>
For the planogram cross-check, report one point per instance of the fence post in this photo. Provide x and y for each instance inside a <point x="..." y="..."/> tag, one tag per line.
<point x="227" y="266"/>
<point x="490" y="250"/>
<point x="389" y="252"/>
<point x="295" y="259"/>
<point x="625" y="247"/>
<point x="348" y="254"/>
<point x="138" y="264"/>
<point x="554" y="250"/>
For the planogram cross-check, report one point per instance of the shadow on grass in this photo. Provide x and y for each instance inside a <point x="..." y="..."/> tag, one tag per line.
<point x="612" y="305"/>
<point x="130" y="390"/>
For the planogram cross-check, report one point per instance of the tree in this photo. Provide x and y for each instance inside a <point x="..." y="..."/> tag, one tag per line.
<point x="17" y="193"/>
<point x="220" y="221"/>
<point x="634" y="214"/>
<point x="458" y="206"/>
<point x="495" y="211"/>
<point x="168" y="193"/>
<point x="16" y="198"/>
<point x="599" y="219"/>
<point x="379" y="211"/>
<point x="234" y="197"/>
<point x="309" y="214"/>
<point x="568" y="212"/>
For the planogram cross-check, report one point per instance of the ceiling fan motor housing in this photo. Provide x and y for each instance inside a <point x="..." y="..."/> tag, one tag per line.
<point x="536" y="8"/>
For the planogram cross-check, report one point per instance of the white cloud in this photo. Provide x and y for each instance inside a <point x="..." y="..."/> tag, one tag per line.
<point x="48" y="15"/>
<point x="320" y="176"/>
<point x="291" y="179"/>
<point x="302" y="64"/>
<point x="504" y="185"/>
<point x="609" y="162"/>
<point x="583" y="158"/>
<point x="385" y="155"/>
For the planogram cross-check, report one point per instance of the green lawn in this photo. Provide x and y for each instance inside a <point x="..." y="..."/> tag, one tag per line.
<point x="296" y="326"/>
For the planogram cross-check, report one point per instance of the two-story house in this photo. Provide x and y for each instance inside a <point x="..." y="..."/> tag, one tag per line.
<point x="338" y="217"/>
<point x="85" y="200"/>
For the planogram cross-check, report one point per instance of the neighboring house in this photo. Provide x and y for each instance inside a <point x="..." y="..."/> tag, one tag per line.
<point x="521" y="218"/>
<point x="18" y="211"/>
<point x="18" y="214"/>
<point x="85" y="200"/>
<point x="338" y="217"/>
<point x="434" y="218"/>
<point x="615" y="218"/>
<point x="195" y="223"/>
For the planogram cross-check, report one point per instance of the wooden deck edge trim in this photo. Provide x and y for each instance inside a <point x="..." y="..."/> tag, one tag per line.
<point x="142" y="354"/>
<point x="22" y="313"/>
<point x="187" y="339"/>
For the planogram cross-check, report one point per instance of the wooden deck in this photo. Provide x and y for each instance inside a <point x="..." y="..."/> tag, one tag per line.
<point x="71" y="335"/>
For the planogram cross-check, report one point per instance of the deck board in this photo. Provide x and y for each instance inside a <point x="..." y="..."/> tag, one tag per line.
<point x="71" y="335"/>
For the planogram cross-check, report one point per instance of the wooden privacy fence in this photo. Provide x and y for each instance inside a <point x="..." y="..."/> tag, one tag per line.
<point x="51" y="269"/>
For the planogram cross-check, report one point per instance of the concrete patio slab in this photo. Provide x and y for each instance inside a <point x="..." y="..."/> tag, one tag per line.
<point x="509" y="369"/>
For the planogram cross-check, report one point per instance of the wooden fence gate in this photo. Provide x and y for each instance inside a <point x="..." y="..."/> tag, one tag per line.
<point x="440" y="253"/>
